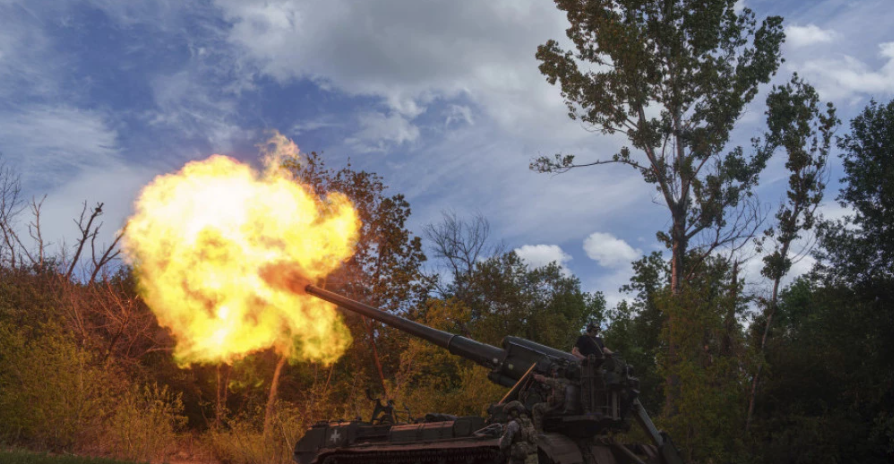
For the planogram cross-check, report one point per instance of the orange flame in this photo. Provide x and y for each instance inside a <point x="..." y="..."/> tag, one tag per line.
<point x="215" y="247"/>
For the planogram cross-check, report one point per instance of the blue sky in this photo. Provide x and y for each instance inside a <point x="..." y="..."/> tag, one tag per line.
<point x="441" y="98"/>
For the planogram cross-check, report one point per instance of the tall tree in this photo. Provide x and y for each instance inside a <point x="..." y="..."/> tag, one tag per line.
<point x="832" y="397"/>
<point x="798" y="125"/>
<point x="673" y="76"/>
<point x="385" y="268"/>
<point x="860" y="249"/>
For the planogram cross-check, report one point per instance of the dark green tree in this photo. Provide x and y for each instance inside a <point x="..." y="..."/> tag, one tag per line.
<point x="860" y="249"/>
<point x="673" y="76"/>
<point x="635" y="326"/>
<point x="503" y="294"/>
<point x="507" y="297"/>
<point x="804" y="130"/>
<point x="829" y="393"/>
<point x="385" y="270"/>
<point x="710" y="416"/>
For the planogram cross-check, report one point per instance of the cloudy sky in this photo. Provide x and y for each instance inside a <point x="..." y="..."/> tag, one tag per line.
<point x="441" y="97"/>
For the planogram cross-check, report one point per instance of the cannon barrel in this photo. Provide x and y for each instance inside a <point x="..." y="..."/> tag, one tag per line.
<point x="508" y="364"/>
<point x="480" y="353"/>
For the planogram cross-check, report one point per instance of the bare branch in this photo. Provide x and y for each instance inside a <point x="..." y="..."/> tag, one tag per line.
<point x="34" y="228"/>
<point x="108" y="256"/>
<point x="86" y="231"/>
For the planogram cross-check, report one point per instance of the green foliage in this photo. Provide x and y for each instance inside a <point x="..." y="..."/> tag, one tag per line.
<point x="53" y="394"/>
<point x="697" y="64"/>
<point x="144" y="423"/>
<point x="542" y="304"/>
<point x="861" y="248"/>
<point x="635" y="327"/>
<point x="26" y="299"/>
<point x="242" y="440"/>
<point x="830" y="391"/>
<point x="433" y="380"/>
<point x="797" y="124"/>
<point x="673" y="76"/>
<point x="711" y="405"/>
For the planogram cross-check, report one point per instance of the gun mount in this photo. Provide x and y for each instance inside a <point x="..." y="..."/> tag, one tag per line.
<point x="600" y="397"/>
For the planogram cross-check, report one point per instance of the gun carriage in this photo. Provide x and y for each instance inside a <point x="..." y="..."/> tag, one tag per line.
<point x="600" y="399"/>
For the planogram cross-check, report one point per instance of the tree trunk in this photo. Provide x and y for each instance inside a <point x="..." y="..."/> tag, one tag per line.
<point x="271" y="399"/>
<point x="729" y="322"/>
<point x="372" y="341"/>
<point x="218" y="406"/>
<point x="678" y="250"/>
<point x="771" y="310"/>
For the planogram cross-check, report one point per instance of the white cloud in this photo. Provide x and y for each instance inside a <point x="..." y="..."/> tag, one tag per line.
<point x="410" y="54"/>
<point x="610" y="285"/>
<point x="28" y="64"/>
<point x="833" y="211"/>
<point x="194" y="102"/>
<point x="541" y="255"/>
<point x="378" y="131"/>
<point x="315" y="124"/>
<point x="802" y="36"/>
<point x="457" y="114"/>
<point x="844" y="76"/>
<point x="50" y="144"/>
<point x="610" y="251"/>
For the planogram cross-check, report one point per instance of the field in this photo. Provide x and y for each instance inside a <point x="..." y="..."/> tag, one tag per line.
<point x="24" y="457"/>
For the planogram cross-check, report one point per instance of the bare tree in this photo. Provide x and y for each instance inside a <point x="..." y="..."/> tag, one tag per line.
<point x="458" y="244"/>
<point x="108" y="254"/>
<point x="87" y="232"/>
<point x="10" y="207"/>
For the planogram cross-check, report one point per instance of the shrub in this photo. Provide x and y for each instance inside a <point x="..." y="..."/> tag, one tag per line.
<point x="53" y="394"/>
<point x="143" y="424"/>
<point x="243" y="441"/>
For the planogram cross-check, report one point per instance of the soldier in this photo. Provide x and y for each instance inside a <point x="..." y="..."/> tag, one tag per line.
<point x="518" y="439"/>
<point x="556" y="399"/>
<point x="590" y="343"/>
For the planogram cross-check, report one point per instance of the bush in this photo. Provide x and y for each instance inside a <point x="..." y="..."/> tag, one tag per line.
<point x="53" y="394"/>
<point x="243" y="440"/>
<point x="143" y="424"/>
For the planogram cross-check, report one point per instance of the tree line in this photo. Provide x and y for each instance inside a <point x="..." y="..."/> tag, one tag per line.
<point x="796" y="373"/>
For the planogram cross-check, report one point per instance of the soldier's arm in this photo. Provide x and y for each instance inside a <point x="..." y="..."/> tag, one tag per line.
<point x="576" y="353"/>
<point x="508" y="435"/>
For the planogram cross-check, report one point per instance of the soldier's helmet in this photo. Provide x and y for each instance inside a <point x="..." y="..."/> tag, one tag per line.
<point x="592" y="325"/>
<point x="514" y="406"/>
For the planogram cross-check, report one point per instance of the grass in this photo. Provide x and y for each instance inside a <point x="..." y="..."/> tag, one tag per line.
<point x="26" y="457"/>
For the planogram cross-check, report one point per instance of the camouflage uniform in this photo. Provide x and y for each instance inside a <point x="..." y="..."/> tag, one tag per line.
<point x="518" y="438"/>
<point x="555" y="401"/>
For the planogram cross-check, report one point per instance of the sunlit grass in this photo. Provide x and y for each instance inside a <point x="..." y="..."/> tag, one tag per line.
<point x="25" y="457"/>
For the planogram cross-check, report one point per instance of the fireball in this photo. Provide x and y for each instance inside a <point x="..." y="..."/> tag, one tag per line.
<point x="213" y="245"/>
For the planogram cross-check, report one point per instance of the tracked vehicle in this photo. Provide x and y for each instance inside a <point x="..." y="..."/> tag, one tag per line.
<point x="601" y="398"/>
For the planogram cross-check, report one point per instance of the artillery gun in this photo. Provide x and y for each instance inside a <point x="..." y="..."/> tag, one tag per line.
<point x="601" y="397"/>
